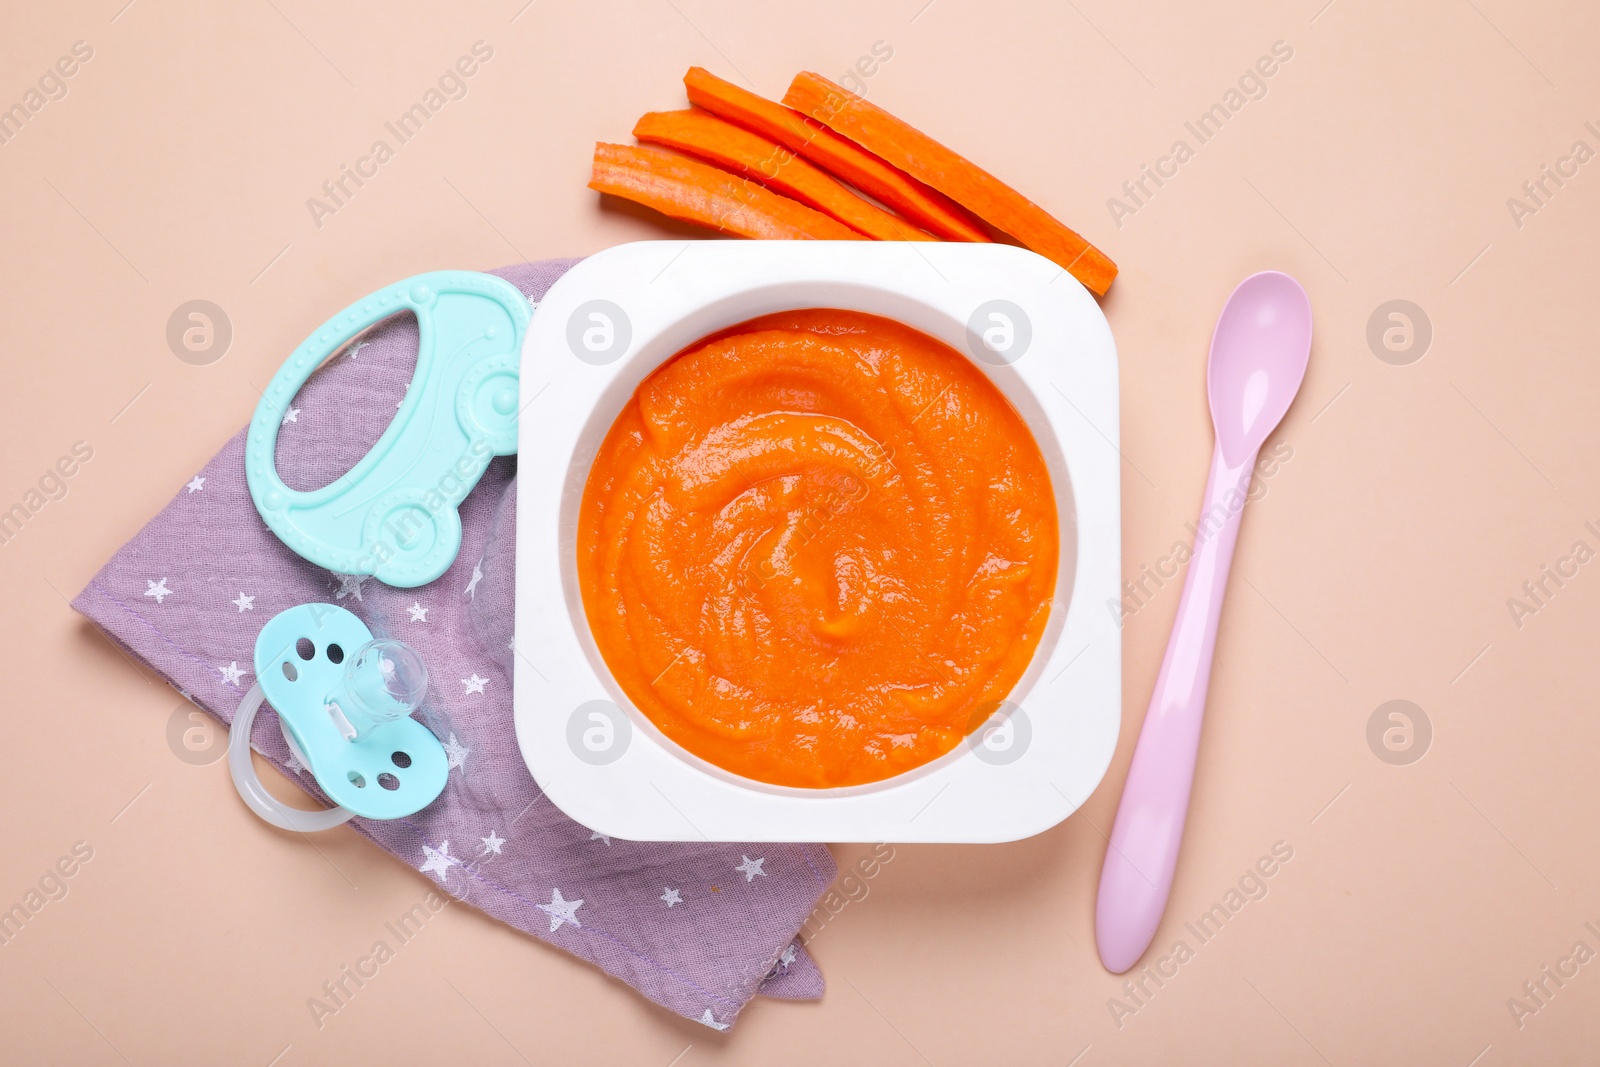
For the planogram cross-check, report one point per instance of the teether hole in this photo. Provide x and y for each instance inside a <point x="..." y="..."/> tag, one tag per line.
<point x="388" y="781"/>
<point x="401" y="759"/>
<point x="356" y="779"/>
<point x="388" y="354"/>
<point x="335" y="653"/>
<point x="304" y="648"/>
<point x="289" y="671"/>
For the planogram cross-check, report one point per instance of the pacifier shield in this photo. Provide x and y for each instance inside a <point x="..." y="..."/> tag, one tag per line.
<point x="324" y="674"/>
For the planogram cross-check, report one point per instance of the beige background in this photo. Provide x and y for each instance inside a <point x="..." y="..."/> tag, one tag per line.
<point x="1378" y="566"/>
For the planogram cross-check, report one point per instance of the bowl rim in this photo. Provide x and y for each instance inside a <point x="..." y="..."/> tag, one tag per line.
<point x="668" y="294"/>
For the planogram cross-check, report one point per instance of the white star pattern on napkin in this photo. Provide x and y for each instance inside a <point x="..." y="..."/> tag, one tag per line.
<point x="670" y="895"/>
<point x="196" y="484"/>
<point x="438" y="860"/>
<point x="244" y="603"/>
<point x="474" y="684"/>
<point x="158" y="590"/>
<point x="350" y="585"/>
<point x="711" y="1020"/>
<point x="561" y="911"/>
<point x="231" y="674"/>
<point x="751" y="867"/>
<point x="596" y="835"/>
<point x="492" y="843"/>
<point x="418" y="612"/>
<point x="455" y="753"/>
<point x="477" y="576"/>
<point x="292" y="415"/>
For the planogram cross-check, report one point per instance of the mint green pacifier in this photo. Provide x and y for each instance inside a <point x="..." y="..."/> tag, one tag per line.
<point x="344" y="700"/>
<point x="393" y="515"/>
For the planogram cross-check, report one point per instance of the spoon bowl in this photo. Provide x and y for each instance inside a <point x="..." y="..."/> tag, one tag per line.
<point x="1259" y="352"/>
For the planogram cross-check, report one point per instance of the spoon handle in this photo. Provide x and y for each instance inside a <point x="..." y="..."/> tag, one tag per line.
<point x="1143" y="852"/>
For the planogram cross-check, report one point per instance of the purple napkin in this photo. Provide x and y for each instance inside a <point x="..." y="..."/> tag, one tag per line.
<point x="697" y="928"/>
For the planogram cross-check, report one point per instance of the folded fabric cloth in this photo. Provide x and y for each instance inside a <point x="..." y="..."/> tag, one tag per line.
<point x="697" y="928"/>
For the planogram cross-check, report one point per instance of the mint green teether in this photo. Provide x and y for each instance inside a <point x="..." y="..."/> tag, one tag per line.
<point x="344" y="700"/>
<point x="393" y="515"/>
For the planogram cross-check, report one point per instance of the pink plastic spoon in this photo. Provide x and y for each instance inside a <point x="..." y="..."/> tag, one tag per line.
<point x="1258" y="359"/>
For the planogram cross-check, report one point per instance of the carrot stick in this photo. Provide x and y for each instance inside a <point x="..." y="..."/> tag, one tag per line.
<point x="689" y="190"/>
<point x="933" y="211"/>
<point x="735" y="148"/>
<point x="923" y="158"/>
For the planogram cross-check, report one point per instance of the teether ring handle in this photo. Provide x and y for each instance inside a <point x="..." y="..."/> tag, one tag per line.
<point x="315" y="350"/>
<point x="393" y="515"/>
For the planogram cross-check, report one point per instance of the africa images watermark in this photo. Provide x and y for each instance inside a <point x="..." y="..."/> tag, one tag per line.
<point x="47" y="89"/>
<point x="1538" y="191"/>
<point x="1252" y="886"/>
<point x="51" y="486"/>
<point x="403" y="529"/>
<point x="1538" y="991"/>
<point x="341" y="989"/>
<point x="1399" y="732"/>
<point x="199" y="332"/>
<point x="52" y="886"/>
<point x="339" y="190"/>
<point x="852" y="888"/>
<point x="1541" y="589"/>
<point x="854" y="79"/>
<point x="1252" y="85"/>
<point x="1137" y="593"/>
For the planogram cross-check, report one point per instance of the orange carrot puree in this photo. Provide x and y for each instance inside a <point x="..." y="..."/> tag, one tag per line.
<point x="817" y="548"/>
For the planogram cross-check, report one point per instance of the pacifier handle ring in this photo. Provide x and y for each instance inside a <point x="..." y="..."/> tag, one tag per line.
<point x="248" y="782"/>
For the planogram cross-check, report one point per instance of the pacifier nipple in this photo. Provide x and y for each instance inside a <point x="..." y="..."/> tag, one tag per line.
<point x="385" y="680"/>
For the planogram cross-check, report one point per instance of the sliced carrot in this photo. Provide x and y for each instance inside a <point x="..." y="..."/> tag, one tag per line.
<point x="689" y="190"/>
<point x="735" y="148"/>
<point x="980" y="192"/>
<point x="931" y="210"/>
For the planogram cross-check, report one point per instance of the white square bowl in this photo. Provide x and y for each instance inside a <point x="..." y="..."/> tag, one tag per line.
<point x="616" y="316"/>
